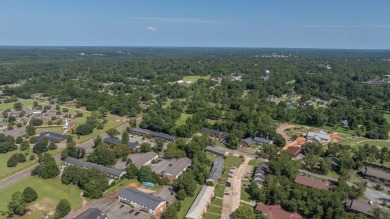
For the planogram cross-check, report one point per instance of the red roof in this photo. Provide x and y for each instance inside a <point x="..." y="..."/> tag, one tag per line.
<point x="294" y="150"/>
<point x="276" y="212"/>
<point x="311" y="182"/>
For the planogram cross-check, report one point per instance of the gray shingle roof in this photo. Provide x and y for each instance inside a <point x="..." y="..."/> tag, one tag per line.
<point x="112" y="141"/>
<point x="143" y="158"/>
<point x="143" y="199"/>
<point x="359" y="206"/>
<point x="259" y="140"/>
<point x="91" y="213"/>
<point x="178" y="167"/>
<point x="51" y="136"/>
<point x="216" y="170"/>
<point x="375" y="173"/>
<point x="201" y="202"/>
<point x="216" y="150"/>
<point x="153" y="134"/>
<point x="89" y="165"/>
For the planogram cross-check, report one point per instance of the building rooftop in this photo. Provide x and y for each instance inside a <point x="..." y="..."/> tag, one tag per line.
<point x="318" y="184"/>
<point x="216" y="170"/>
<point x="359" y="206"/>
<point x="176" y="168"/>
<point x="89" y="165"/>
<point x="140" y="160"/>
<point x="51" y="136"/>
<point x="375" y="173"/>
<point x="149" y="201"/>
<point x="276" y="212"/>
<point x="216" y="150"/>
<point x="201" y="202"/>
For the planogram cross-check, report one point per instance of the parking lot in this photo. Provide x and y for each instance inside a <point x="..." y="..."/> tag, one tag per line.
<point x="119" y="210"/>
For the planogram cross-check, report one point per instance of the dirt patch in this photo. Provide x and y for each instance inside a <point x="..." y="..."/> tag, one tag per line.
<point x="47" y="205"/>
<point x="335" y="137"/>
<point x="133" y="185"/>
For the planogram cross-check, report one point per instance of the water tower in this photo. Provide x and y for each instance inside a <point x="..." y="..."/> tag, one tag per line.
<point x="266" y="74"/>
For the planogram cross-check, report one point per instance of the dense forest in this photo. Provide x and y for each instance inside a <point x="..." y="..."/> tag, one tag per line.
<point x="130" y="81"/>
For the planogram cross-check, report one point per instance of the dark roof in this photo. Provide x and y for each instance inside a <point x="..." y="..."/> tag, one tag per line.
<point x="51" y="136"/>
<point x="216" y="150"/>
<point x="248" y="140"/>
<point x="211" y="131"/>
<point x="216" y="170"/>
<point x="141" y="198"/>
<point x="294" y="150"/>
<point x="133" y="145"/>
<point x="153" y="134"/>
<point x="91" y="213"/>
<point x="311" y="182"/>
<point x="89" y="165"/>
<point x="375" y="173"/>
<point x="259" y="140"/>
<point x="359" y="206"/>
<point x="113" y="141"/>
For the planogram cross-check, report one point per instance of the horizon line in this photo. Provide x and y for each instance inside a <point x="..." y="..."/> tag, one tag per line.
<point x="214" y="47"/>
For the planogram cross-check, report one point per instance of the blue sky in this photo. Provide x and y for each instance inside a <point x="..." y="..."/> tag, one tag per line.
<point x="347" y="24"/>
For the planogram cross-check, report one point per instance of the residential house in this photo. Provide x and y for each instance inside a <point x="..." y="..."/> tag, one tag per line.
<point x="319" y="136"/>
<point x="173" y="171"/>
<point x="144" y="159"/>
<point x="217" y="151"/>
<point x="376" y="174"/>
<point x="295" y="151"/>
<point x="92" y="213"/>
<point x="111" y="172"/>
<point x="216" y="171"/>
<point x="313" y="183"/>
<point x="143" y="201"/>
<point x="202" y="201"/>
<point x="276" y="212"/>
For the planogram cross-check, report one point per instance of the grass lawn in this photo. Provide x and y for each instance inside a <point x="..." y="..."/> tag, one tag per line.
<point x="387" y="117"/>
<point x="210" y="216"/>
<point x="217" y="201"/>
<point x="214" y="209"/>
<point x="187" y="202"/>
<point x="333" y="174"/>
<point x="182" y="120"/>
<point x="168" y="103"/>
<point x="195" y="78"/>
<point x="7" y="171"/>
<point x="244" y="195"/>
<point x="219" y="191"/>
<point x="50" y="191"/>
<point x="254" y="162"/>
<point x="126" y="183"/>
<point x="232" y="161"/>
<point x="25" y="102"/>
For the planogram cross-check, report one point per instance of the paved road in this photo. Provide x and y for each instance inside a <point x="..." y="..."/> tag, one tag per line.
<point x="18" y="176"/>
<point x="27" y="172"/>
<point x="232" y="195"/>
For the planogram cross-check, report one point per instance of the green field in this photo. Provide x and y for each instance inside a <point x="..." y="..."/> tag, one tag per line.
<point x="387" y="117"/>
<point x="245" y="195"/>
<point x="187" y="202"/>
<point x="195" y="78"/>
<point x="183" y="118"/>
<point x="50" y="191"/>
<point x="125" y="183"/>
<point x="8" y="171"/>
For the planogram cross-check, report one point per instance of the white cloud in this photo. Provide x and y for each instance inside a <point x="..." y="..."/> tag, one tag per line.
<point x="348" y="26"/>
<point x="175" y="20"/>
<point x="151" y="28"/>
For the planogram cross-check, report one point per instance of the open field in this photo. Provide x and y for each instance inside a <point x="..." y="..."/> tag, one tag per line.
<point x="8" y="171"/>
<point x="187" y="202"/>
<point x="195" y="78"/>
<point x="244" y="194"/>
<point x="50" y="191"/>
<point x="183" y="118"/>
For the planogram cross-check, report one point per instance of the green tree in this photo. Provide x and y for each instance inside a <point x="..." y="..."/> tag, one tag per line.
<point x="145" y="147"/>
<point x="30" y="194"/>
<point x="47" y="167"/>
<point x="112" y="132"/>
<point x="244" y="212"/>
<point x="125" y="137"/>
<point x="169" y="213"/>
<point x="30" y="129"/>
<point x="17" y="205"/>
<point x="63" y="208"/>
